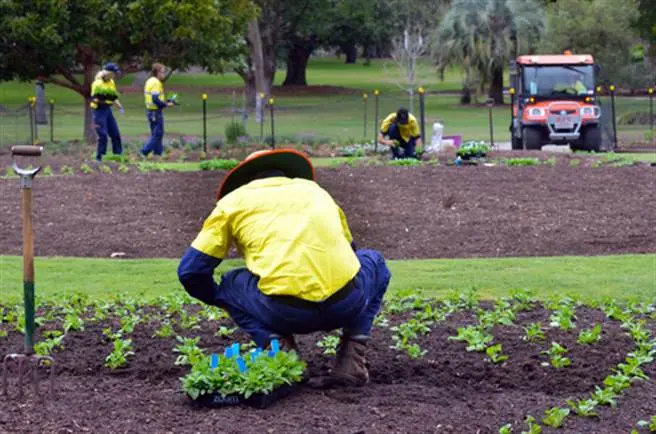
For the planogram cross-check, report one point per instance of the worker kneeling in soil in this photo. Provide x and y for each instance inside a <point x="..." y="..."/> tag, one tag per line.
<point x="400" y="131"/>
<point x="303" y="273"/>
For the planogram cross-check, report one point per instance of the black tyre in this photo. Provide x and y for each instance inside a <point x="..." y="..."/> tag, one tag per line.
<point x="516" y="143"/>
<point x="591" y="139"/>
<point x="531" y="138"/>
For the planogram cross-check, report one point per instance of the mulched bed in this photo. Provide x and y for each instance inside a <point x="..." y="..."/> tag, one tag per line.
<point x="406" y="212"/>
<point x="448" y="390"/>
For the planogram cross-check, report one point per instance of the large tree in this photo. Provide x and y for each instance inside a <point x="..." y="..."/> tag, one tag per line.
<point x="64" y="42"/>
<point x="594" y="27"/>
<point x="481" y="36"/>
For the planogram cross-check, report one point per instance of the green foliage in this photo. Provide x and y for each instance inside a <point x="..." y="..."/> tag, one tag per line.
<point x="534" y="332"/>
<point x="584" y="407"/>
<point x="53" y="341"/>
<point x="188" y="350"/>
<point x="475" y="337"/>
<point x="590" y="336"/>
<point x="165" y="330"/>
<point x="218" y="164"/>
<point x="556" y="357"/>
<point x="571" y="24"/>
<point x="522" y="162"/>
<point x="262" y="375"/>
<point x="533" y="426"/>
<point x="233" y="131"/>
<point x="494" y="353"/>
<point x="555" y="416"/>
<point x="85" y="168"/>
<point x="120" y="354"/>
<point x="47" y="171"/>
<point x="473" y="149"/>
<point x="405" y="162"/>
<point x="605" y="396"/>
<point x="329" y="344"/>
<point x="651" y="424"/>
<point x="66" y="170"/>
<point x="224" y="331"/>
<point x="506" y="429"/>
<point x="563" y="317"/>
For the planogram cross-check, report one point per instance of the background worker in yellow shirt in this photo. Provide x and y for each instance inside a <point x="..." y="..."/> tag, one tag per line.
<point x="400" y="131"/>
<point x="103" y="96"/>
<point x="155" y="103"/>
<point x="303" y="273"/>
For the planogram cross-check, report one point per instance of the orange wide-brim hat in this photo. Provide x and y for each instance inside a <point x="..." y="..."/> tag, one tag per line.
<point x="292" y="163"/>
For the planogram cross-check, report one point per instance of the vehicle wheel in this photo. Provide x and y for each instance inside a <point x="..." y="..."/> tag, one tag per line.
<point x="531" y="139"/>
<point x="591" y="140"/>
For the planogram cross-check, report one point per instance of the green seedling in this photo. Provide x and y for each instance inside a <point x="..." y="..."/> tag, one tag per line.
<point x="329" y="344"/>
<point x="617" y="383"/>
<point x="554" y="417"/>
<point x="189" y="322"/>
<point x="123" y="168"/>
<point x="66" y="170"/>
<point x="556" y="357"/>
<point x="651" y="424"/>
<point x="506" y="429"/>
<point x="128" y="323"/>
<point x="47" y="171"/>
<point x="563" y="318"/>
<point x="590" y="336"/>
<point x="583" y="407"/>
<point x="534" y="332"/>
<point x="533" y="426"/>
<point x="224" y="332"/>
<point x="605" y="396"/>
<point x="522" y="300"/>
<point x="53" y="341"/>
<point x="73" y="322"/>
<point x="85" y="168"/>
<point x="494" y="353"/>
<point x="476" y="338"/>
<point x="105" y="169"/>
<point x="263" y="374"/>
<point x="119" y="356"/>
<point x="188" y="350"/>
<point x="165" y="330"/>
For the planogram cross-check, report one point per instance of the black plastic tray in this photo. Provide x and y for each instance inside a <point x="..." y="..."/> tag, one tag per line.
<point x="259" y="400"/>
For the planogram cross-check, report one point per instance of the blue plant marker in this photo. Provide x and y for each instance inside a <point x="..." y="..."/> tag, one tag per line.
<point x="254" y="355"/>
<point x="242" y="364"/>
<point x="271" y="353"/>
<point x="275" y="346"/>
<point x="214" y="361"/>
<point x="228" y="352"/>
<point x="235" y="349"/>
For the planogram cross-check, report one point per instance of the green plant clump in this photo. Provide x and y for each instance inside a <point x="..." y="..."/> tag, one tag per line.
<point x="263" y="374"/>
<point x="233" y="131"/>
<point x="218" y="164"/>
<point x="473" y="149"/>
<point x="523" y="162"/>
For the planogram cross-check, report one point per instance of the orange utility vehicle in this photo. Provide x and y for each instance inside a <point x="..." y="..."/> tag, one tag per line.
<point x="555" y="102"/>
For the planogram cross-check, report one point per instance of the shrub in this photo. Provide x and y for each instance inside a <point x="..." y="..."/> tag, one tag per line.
<point x="233" y="131"/>
<point x="218" y="164"/>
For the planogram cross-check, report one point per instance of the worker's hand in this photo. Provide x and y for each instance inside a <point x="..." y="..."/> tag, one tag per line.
<point x="170" y="104"/>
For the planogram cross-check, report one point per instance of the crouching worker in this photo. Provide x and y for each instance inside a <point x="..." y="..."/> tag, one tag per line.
<point x="303" y="273"/>
<point x="400" y="131"/>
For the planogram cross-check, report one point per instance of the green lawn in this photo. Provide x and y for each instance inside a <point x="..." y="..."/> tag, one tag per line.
<point x="622" y="277"/>
<point x="329" y="117"/>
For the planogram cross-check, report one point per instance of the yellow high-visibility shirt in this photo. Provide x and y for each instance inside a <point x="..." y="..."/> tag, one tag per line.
<point x="103" y="93"/>
<point x="153" y="89"/>
<point x="291" y="233"/>
<point x="408" y="131"/>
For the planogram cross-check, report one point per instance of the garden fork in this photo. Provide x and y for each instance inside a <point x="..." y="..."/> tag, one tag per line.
<point x="28" y="361"/>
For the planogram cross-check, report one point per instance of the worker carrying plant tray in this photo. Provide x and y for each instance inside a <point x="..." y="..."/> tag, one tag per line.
<point x="303" y="272"/>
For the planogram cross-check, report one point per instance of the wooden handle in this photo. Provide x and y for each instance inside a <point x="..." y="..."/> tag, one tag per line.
<point x="27" y="150"/>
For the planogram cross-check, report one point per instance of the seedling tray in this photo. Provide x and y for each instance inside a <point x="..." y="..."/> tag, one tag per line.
<point x="258" y="400"/>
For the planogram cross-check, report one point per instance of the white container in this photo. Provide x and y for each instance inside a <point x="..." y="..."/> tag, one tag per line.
<point x="436" y="139"/>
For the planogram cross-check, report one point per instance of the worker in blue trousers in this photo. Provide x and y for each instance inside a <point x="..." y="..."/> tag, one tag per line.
<point x="400" y="131"/>
<point x="103" y="96"/>
<point x="155" y="103"/>
<point x="303" y="272"/>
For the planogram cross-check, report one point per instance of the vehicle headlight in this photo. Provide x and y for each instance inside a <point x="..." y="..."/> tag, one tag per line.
<point x="591" y="111"/>
<point x="536" y="111"/>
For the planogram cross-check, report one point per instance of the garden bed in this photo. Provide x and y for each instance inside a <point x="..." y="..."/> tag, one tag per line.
<point x="441" y="388"/>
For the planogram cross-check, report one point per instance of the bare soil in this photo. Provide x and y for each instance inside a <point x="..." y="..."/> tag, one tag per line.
<point x="433" y="211"/>
<point x="448" y="390"/>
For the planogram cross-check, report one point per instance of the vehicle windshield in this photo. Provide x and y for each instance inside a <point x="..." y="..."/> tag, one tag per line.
<point x="559" y="81"/>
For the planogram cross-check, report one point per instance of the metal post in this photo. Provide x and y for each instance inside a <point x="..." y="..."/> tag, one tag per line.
<point x="52" y="120"/>
<point x="364" y="99"/>
<point x="490" y="104"/>
<point x="32" y="123"/>
<point x="512" y="115"/>
<point x="422" y="114"/>
<point x="651" y="113"/>
<point x="205" y="123"/>
<point x="273" y="131"/>
<point x="376" y="94"/>
<point x="612" y="104"/>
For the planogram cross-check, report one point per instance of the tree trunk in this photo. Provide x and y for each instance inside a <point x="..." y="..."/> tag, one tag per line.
<point x="351" y="52"/>
<point x="496" y="84"/>
<point x="89" y="127"/>
<point x="465" y="96"/>
<point x="297" y="61"/>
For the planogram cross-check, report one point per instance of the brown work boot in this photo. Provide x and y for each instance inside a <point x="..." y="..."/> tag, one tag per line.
<point x="350" y="366"/>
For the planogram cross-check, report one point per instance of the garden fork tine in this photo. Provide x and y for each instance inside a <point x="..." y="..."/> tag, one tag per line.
<point x="23" y="360"/>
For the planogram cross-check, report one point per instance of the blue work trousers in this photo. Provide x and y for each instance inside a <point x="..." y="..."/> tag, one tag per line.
<point x="264" y="316"/>
<point x="103" y="118"/>
<point x="407" y="147"/>
<point x="156" y="122"/>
